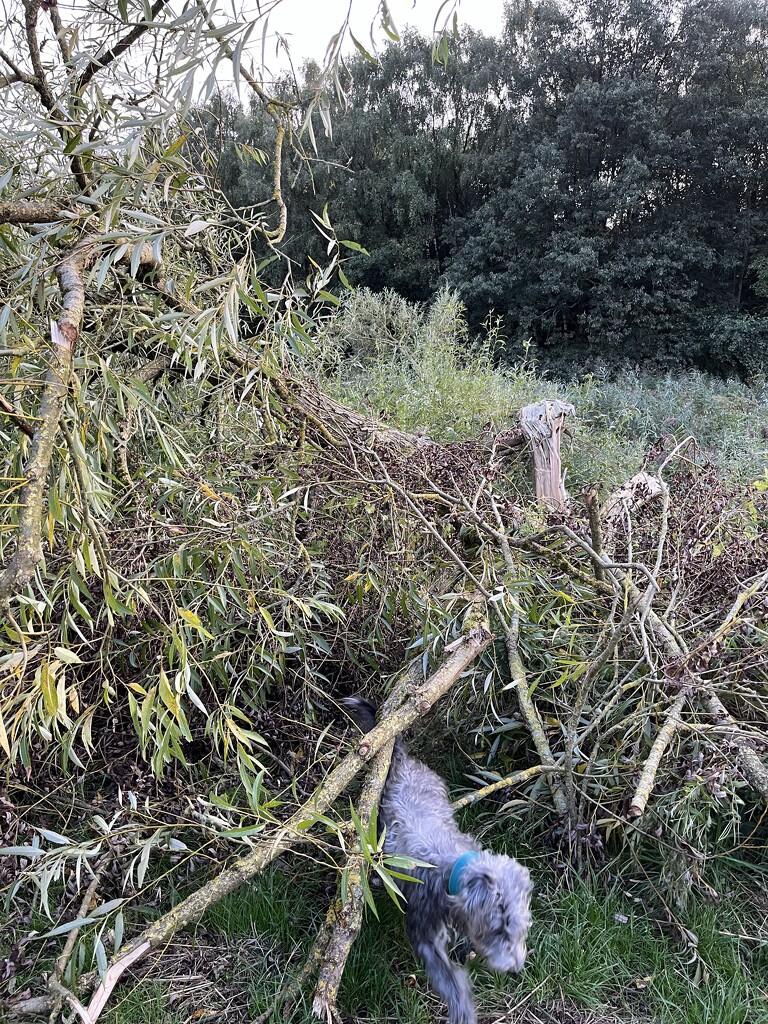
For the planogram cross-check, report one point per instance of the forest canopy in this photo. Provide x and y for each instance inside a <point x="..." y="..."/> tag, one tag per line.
<point x="597" y="174"/>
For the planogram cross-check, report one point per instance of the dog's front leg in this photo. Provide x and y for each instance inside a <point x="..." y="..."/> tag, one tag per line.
<point x="448" y="979"/>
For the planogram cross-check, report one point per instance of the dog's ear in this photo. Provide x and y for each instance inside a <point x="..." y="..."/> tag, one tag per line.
<point x="478" y="888"/>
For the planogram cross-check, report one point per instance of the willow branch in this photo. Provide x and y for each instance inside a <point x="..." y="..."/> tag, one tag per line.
<point x="665" y="736"/>
<point x="518" y="676"/>
<point x="65" y="333"/>
<point x="18" y="419"/>
<point x="511" y="780"/>
<point x="348" y="922"/>
<point x="58" y="27"/>
<point x="54" y="982"/>
<point x="111" y="55"/>
<point x="19" y="75"/>
<point x="752" y="765"/>
<point x="40" y="84"/>
<point x="278" y="111"/>
<point x="21" y="212"/>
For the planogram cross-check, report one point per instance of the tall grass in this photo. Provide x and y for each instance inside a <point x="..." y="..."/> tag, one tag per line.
<point x="418" y="368"/>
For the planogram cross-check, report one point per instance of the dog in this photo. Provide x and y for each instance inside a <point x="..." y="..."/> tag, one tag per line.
<point x="482" y="897"/>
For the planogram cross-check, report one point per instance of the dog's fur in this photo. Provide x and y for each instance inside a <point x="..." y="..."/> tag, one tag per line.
<point x="491" y="908"/>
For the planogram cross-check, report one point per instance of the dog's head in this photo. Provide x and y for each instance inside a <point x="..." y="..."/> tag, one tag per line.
<point x="494" y="904"/>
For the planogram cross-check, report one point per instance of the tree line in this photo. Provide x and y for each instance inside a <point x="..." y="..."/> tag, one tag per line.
<point x="596" y="174"/>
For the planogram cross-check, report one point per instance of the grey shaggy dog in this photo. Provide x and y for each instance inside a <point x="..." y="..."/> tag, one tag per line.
<point x="481" y="896"/>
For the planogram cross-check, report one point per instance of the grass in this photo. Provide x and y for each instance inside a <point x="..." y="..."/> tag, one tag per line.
<point x="595" y="949"/>
<point x="147" y="1003"/>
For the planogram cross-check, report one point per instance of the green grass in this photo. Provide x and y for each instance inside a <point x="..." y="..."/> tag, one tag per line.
<point x="597" y="949"/>
<point x="147" y="1003"/>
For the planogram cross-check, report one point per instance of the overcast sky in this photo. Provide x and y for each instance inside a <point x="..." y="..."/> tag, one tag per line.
<point x="309" y="24"/>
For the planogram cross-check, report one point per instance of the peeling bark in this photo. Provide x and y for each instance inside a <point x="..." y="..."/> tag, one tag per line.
<point x="542" y="423"/>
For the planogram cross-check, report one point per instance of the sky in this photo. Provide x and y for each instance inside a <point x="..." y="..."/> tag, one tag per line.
<point x="309" y="24"/>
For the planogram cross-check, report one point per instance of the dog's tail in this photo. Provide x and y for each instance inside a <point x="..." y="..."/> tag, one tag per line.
<point x="363" y="711"/>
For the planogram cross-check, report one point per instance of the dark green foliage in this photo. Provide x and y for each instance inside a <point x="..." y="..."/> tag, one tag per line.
<point x="597" y="174"/>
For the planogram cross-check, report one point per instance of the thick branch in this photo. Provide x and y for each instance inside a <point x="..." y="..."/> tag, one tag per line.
<point x="30" y="212"/>
<point x="349" y="920"/>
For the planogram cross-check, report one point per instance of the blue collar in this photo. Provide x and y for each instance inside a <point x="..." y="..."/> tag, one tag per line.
<point x="455" y="878"/>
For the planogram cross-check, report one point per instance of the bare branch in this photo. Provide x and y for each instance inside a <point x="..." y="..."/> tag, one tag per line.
<point x="511" y="780"/>
<point x="665" y="736"/>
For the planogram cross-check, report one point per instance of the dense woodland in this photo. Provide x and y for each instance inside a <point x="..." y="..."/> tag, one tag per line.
<point x="247" y="470"/>
<point x="597" y="174"/>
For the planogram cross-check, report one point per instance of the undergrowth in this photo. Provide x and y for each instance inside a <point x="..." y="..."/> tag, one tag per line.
<point x="418" y="368"/>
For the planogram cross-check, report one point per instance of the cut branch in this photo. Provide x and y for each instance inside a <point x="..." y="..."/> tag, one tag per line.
<point x="665" y="736"/>
<point x="530" y="713"/>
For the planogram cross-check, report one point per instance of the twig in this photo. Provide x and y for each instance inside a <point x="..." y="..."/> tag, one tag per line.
<point x="18" y="419"/>
<point x="596" y="530"/>
<point x="278" y="111"/>
<point x="511" y="780"/>
<point x="55" y="981"/>
<point x="518" y="677"/>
